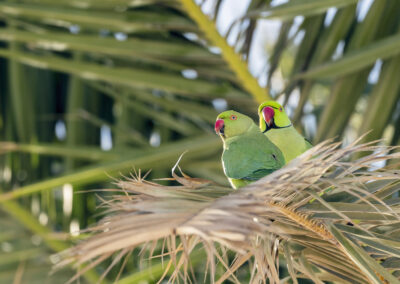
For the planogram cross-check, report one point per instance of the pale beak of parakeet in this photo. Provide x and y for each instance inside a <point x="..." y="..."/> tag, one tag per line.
<point x="219" y="127"/>
<point x="268" y="115"/>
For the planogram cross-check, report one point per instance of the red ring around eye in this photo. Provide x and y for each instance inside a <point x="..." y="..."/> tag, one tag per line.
<point x="233" y="117"/>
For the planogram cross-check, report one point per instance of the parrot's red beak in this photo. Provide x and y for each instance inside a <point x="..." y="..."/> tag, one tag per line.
<point x="268" y="115"/>
<point x="219" y="126"/>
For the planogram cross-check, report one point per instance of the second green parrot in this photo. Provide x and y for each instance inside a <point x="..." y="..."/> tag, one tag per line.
<point x="276" y="125"/>
<point x="248" y="154"/>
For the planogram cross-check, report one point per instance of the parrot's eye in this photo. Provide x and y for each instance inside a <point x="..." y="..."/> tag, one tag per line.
<point x="233" y="117"/>
<point x="280" y="109"/>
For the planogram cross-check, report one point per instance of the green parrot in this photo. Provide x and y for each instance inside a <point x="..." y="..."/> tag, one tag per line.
<point x="276" y="125"/>
<point x="248" y="154"/>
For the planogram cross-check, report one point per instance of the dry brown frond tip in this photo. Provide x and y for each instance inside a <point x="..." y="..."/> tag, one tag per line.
<point x="322" y="216"/>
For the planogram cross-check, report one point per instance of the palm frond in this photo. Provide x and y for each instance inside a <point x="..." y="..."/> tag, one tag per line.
<point x="148" y="77"/>
<point x="315" y="213"/>
<point x="228" y="53"/>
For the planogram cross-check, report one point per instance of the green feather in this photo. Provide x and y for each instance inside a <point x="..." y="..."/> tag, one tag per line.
<point x="289" y="141"/>
<point x="248" y="154"/>
<point x="282" y="133"/>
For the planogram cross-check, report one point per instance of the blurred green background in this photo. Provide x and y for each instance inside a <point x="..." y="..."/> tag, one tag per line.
<point x="91" y="89"/>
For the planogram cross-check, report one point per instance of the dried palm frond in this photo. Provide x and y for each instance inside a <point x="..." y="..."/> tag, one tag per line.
<point x="327" y="218"/>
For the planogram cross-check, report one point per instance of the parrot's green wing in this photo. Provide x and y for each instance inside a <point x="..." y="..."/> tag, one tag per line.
<point x="251" y="157"/>
<point x="256" y="175"/>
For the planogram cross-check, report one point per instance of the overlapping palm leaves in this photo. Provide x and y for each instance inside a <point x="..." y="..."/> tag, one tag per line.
<point x="119" y="64"/>
<point x="349" y="235"/>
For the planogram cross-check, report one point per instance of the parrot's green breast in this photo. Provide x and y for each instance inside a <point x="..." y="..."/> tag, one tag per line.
<point x="289" y="141"/>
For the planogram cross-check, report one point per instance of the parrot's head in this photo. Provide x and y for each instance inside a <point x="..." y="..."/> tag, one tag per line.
<point x="231" y="123"/>
<point x="272" y="115"/>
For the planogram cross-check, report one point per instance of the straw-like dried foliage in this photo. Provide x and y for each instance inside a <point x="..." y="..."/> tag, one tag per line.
<point x="326" y="217"/>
